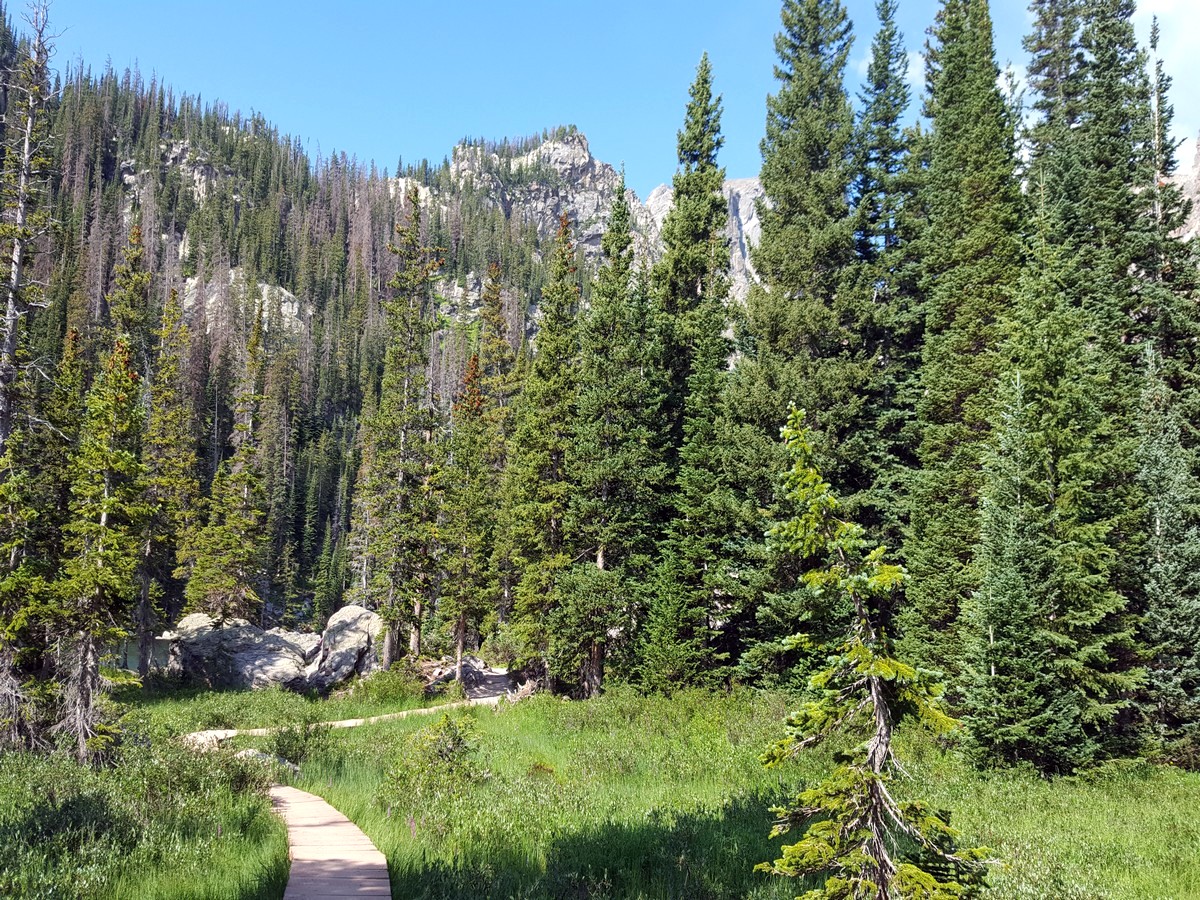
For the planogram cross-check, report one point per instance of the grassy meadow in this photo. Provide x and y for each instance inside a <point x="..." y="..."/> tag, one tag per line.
<point x="636" y="797"/>
<point x="621" y="797"/>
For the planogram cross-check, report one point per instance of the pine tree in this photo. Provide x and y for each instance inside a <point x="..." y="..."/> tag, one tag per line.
<point x="539" y="489"/>
<point x="1018" y="709"/>
<point x="102" y="543"/>
<point x="615" y="462"/>
<point x="972" y="257"/>
<point x="1172" y="575"/>
<point x="395" y="516"/>
<point x="694" y="248"/>
<point x="864" y="841"/>
<point x="468" y="487"/>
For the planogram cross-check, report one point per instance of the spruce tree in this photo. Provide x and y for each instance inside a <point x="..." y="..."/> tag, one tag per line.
<point x="395" y="515"/>
<point x="802" y="332"/>
<point x="102" y="543"/>
<point x="691" y="285"/>
<point x="172" y="489"/>
<point x="468" y="488"/>
<point x="615" y="462"/>
<point x="224" y="560"/>
<point x="539" y="488"/>
<point x="1172" y="573"/>
<point x="971" y="259"/>
<point x="691" y="585"/>
<point x="1018" y="709"/>
<point x="694" y="248"/>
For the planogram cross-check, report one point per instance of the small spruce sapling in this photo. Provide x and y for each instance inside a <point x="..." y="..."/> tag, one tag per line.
<point x="865" y="841"/>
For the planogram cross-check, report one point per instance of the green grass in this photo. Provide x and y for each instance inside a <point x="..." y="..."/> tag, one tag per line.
<point x="160" y="822"/>
<point x="649" y="798"/>
<point x="174" y="709"/>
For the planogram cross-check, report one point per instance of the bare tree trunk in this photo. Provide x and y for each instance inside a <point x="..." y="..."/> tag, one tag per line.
<point x="414" y="634"/>
<point x="83" y="686"/>
<point x="593" y="670"/>
<point x="391" y="645"/>
<point x="12" y="702"/>
<point x="23" y="175"/>
<point x="145" y="615"/>
<point x="460" y="640"/>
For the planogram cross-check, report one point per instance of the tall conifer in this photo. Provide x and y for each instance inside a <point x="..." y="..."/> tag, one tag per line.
<point x="971" y="260"/>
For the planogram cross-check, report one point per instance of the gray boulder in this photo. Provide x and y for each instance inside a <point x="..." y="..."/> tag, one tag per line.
<point x="350" y="646"/>
<point x="306" y="643"/>
<point x="234" y="654"/>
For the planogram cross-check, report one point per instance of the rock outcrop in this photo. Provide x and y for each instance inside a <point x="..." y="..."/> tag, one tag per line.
<point x="234" y="654"/>
<point x="1189" y="182"/>
<point x="350" y="646"/>
<point x="237" y="654"/>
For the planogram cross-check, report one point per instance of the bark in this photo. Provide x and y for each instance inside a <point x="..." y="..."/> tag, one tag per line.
<point x="83" y="689"/>
<point x="460" y="634"/>
<point x="593" y="670"/>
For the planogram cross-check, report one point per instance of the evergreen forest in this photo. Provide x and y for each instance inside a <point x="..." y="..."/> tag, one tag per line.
<point x="240" y="380"/>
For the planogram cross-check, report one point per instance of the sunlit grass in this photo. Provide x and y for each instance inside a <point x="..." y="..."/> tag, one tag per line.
<point x="651" y="798"/>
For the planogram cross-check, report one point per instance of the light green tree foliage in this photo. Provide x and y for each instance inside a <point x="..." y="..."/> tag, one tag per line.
<point x="866" y="842"/>
<point x="102" y="541"/>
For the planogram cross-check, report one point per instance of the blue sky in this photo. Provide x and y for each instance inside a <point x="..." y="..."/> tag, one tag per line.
<point x="384" y="80"/>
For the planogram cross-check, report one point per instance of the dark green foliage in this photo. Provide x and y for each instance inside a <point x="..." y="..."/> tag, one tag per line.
<point x="694" y="260"/>
<point x="615" y="462"/>
<point x="396" y="507"/>
<point x="539" y="489"/>
<point x="971" y="257"/>
<point x="1172" y="588"/>
<point x="468" y="484"/>
<point x="101" y="541"/>
<point x="1018" y="708"/>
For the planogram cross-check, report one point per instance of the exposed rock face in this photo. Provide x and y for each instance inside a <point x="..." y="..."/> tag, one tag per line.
<point x="742" y="230"/>
<point x="558" y="176"/>
<point x="561" y="176"/>
<point x="349" y="646"/>
<point x="232" y="297"/>
<point x="1189" y="182"/>
<point x="236" y="654"/>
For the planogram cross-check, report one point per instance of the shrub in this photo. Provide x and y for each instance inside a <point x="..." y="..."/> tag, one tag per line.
<point x="401" y="684"/>
<point x="438" y="761"/>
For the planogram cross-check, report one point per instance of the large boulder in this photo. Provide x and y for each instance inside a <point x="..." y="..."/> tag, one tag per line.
<point x="350" y="646"/>
<point x="234" y="654"/>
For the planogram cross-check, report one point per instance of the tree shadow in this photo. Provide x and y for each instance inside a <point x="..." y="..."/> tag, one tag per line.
<point x="707" y="855"/>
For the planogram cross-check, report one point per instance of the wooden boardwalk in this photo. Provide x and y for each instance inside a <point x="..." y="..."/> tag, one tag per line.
<point x="213" y="737"/>
<point x="331" y="857"/>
